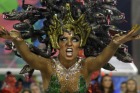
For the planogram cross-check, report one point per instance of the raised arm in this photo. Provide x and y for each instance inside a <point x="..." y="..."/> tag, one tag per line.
<point x="94" y="64"/>
<point x="35" y="61"/>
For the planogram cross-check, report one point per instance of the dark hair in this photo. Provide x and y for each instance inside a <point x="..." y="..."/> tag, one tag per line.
<point x="24" y="90"/>
<point x="8" y="72"/>
<point x="135" y="91"/>
<point x="124" y="82"/>
<point x="111" y="89"/>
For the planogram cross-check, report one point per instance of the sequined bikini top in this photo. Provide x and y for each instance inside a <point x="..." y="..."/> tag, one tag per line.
<point x="67" y="77"/>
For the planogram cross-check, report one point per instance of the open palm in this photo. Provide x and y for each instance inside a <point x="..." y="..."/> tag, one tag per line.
<point x="8" y="35"/>
<point x="131" y="35"/>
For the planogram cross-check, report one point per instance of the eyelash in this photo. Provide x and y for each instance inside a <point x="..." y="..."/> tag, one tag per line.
<point x="73" y="39"/>
<point x="63" y="39"/>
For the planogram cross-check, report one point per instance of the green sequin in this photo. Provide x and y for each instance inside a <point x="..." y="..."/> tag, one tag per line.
<point x="54" y="85"/>
<point x="82" y="85"/>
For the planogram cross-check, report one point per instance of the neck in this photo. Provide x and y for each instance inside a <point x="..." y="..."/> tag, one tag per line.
<point x="106" y="90"/>
<point x="67" y="63"/>
<point x="130" y="92"/>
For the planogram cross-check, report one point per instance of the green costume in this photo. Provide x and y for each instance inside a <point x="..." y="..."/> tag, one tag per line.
<point x="67" y="76"/>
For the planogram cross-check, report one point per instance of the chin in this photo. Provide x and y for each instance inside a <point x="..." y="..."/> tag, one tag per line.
<point x="69" y="57"/>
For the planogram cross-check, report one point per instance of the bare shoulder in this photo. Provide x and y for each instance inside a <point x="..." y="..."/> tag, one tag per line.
<point x="91" y="64"/>
<point x="47" y="65"/>
<point x="43" y="63"/>
<point x="90" y="60"/>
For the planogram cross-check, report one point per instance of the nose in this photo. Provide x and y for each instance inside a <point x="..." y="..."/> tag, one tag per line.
<point x="69" y="43"/>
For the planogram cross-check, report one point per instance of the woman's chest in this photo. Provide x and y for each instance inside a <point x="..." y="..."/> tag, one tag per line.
<point x="73" y="84"/>
<point x="71" y="80"/>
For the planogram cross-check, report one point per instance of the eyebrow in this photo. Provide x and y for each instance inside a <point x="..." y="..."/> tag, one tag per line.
<point x="75" y="36"/>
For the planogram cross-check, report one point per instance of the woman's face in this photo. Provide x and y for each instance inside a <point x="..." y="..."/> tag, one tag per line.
<point x="131" y="85"/>
<point x="35" y="89"/>
<point x="107" y="82"/>
<point x="69" y="45"/>
<point x="26" y="92"/>
<point x="123" y="87"/>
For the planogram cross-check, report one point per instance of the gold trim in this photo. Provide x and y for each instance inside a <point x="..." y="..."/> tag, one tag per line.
<point x="79" y="26"/>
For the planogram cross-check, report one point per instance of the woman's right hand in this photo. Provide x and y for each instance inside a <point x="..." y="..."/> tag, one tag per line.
<point x="10" y="35"/>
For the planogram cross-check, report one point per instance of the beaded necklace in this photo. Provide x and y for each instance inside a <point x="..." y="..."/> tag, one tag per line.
<point x="64" y="72"/>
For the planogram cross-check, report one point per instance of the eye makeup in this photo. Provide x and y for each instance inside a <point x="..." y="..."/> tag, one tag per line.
<point x="75" y="39"/>
<point x="62" y="38"/>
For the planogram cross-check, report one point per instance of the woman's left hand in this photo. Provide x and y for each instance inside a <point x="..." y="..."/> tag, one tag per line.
<point x="131" y="35"/>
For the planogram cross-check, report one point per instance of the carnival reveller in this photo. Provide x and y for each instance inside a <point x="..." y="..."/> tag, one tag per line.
<point x="67" y="73"/>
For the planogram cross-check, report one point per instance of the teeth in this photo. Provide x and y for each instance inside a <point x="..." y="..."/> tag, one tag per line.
<point x="69" y="50"/>
<point x="69" y="53"/>
<point x="4" y="16"/>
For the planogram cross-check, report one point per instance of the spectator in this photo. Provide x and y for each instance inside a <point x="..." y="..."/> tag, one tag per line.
<point x="123" y="87"/>
<point x="106" y="84"/>
<point x="19" y="85"/>
<point x="35" y="88"/>
<point x="9" y="83"/>
<point x="131" y="86"/>
<point x="26" y="91"/>
<point x="94" y="86"/>
<point x="27" y="81"/>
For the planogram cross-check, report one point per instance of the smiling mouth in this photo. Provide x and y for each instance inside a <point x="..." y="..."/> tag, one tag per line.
<point x="69" y="51"/>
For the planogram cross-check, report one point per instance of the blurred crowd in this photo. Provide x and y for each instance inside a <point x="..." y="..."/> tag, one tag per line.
<point x="106" y="85"/>
<point x="101" y="84"/>
<point x="13" y="85"/>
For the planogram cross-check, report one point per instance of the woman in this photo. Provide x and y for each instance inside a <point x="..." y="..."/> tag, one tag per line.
<point x="26" y="91"/>
<point x="131" y="86"/>
<point x="35" y="88"/>
<point x="123" y="87"/>
<point x="107" y="84"/>
<point x="67" y="73"/>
